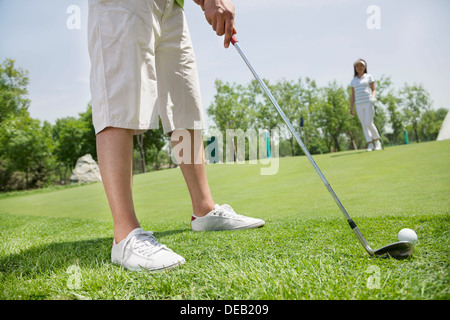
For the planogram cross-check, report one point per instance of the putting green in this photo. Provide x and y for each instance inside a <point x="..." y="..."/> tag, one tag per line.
<point x="409" y="179"/>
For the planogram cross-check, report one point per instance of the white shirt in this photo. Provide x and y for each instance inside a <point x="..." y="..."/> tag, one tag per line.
<point x="363" y="92"/>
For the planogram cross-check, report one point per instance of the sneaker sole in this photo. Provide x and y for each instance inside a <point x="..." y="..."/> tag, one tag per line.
<point x="143" y="269"/>
<point x="251" y="226"/>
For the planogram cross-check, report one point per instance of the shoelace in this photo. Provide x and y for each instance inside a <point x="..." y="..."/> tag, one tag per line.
<point x="145" y="244"/>
<point x="226" y="211"/>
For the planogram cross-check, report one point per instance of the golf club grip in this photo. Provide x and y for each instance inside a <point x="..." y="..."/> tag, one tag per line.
<point x="291" y="128"/>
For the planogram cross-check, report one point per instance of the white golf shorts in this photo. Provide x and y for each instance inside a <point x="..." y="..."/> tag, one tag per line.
<point x="142" y="66"/>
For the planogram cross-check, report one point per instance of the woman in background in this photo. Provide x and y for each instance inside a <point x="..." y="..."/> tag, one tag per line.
<point x="363" y="96"/>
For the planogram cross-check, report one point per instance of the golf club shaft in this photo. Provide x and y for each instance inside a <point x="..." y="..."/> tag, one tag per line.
<point x="302" y="145"/>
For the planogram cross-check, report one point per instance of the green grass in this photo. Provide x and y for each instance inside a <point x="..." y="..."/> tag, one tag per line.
<point x="305" y="251"/>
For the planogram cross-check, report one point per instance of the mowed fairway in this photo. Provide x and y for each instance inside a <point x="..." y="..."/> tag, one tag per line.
<point x="55" y="244"/>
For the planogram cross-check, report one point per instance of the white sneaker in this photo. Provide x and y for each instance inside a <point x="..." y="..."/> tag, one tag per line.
<point x="224" y="218"/>
<point x="370" y="147"/>
<point x="378" y="145"/>
<point x="140" y="251"/>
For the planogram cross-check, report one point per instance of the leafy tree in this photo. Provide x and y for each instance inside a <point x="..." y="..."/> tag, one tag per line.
<point x="263" y="113"/>
<point x="382" y="86"/>
<point x="300" y="102"/>
<point x="258" y="110"/>
<point x="387" y="110"/>
<point x="395" y="116"/>
<point x="26" y="147"/>
<point x="309" y="96"/>
<point x="415" y="101"/>
<point x="287" y="94"/>
<point x="231" y="107"/>
<point x="88" y="139"/>
<point x="430" y="123"/>
<point x="68" y="134"/>
<point x="334" y="114"/>
<point x="13" y="90"/>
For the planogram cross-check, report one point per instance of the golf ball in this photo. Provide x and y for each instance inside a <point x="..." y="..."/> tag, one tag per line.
<point x="407" y="235"/>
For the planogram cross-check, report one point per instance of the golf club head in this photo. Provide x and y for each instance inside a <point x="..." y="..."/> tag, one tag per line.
<point x="397" y="250"/>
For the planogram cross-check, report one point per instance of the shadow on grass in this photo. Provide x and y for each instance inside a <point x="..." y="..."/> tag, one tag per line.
<point x="44" y="259"/>
<point x="342" y="154"/>
<point x="39" y="260"/>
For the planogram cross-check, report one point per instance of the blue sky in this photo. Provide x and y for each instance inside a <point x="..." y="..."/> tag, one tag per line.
<point x="284" y="39"/>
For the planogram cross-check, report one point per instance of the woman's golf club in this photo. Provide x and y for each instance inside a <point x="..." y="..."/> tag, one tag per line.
<point x="398" y="250"/>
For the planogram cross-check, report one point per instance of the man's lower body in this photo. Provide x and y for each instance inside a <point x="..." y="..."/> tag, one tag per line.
<point x="143" y="68"/>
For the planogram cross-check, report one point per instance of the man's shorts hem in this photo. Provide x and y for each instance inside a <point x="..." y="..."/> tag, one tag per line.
<point x="140" y="128"/>
<point x="137" y="128"/>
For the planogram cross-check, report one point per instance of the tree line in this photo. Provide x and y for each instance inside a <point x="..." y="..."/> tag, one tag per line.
<point x="36" y="154"/>
<point x="321" y="114"/>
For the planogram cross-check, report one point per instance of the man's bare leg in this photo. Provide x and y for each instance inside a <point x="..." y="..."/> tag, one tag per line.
<point x="115" y="160"/>
<point x="194" y="174"/>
